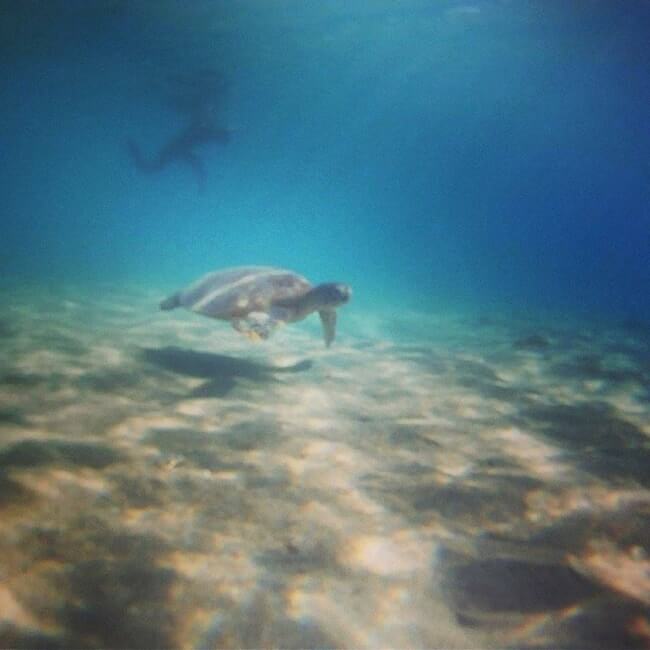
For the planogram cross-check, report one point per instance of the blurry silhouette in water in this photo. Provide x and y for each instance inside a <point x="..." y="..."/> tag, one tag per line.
<point x="195" y="96"/>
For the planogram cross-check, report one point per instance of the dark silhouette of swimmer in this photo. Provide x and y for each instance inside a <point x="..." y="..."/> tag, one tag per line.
<point x="182" y="147"/>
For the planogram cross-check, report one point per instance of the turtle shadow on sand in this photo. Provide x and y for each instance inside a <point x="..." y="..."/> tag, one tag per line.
<point x="220" y="370"/>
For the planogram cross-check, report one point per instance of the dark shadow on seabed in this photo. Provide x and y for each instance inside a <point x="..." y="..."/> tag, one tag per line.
<point x="37" y="453"/>
<point x="222" y="371"/>
<point x="113" y="593"/>
<point x="597" y="438"/>
<point x="572" y="611"/>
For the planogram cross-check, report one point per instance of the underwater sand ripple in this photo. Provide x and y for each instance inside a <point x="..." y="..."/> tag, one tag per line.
<point x="373" y="494"/>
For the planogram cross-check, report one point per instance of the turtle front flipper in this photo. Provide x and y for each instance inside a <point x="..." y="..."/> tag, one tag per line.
<point x="256" y="326"/>
<point x="328" y="321"/>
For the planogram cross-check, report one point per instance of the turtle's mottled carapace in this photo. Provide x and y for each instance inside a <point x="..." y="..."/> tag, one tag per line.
<point x="256" y="299"/>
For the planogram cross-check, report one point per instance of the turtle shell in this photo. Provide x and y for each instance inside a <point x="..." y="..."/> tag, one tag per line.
<point x="235" y="293"/>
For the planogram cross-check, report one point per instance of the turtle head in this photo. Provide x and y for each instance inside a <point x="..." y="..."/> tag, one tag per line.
<point x="331" y="294"/>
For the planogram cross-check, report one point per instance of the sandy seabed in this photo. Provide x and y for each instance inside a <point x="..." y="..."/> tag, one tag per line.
<point x="436" y="481"/>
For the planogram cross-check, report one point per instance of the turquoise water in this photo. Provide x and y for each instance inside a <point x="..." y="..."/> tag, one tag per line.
<point x="434" y="153"/>
<point x="466" y="466"/>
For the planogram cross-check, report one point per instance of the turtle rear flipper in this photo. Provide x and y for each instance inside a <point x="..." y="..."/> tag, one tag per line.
<point x="328" y="321"/>
<point x="256" y="326"/>
<point x="171" y="303"/>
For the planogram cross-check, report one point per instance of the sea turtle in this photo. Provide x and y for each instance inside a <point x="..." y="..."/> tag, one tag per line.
<point x="256" y="299"/>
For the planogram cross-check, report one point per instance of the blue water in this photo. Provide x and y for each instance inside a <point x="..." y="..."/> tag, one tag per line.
<point x="466" y="465"/>
<point x="431" y="153"/>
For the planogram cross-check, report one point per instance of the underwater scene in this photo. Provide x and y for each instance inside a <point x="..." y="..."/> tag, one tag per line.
<point x="325" y="324"/>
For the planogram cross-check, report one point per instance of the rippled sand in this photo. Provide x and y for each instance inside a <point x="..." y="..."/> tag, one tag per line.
<point x="428" y="482"/>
